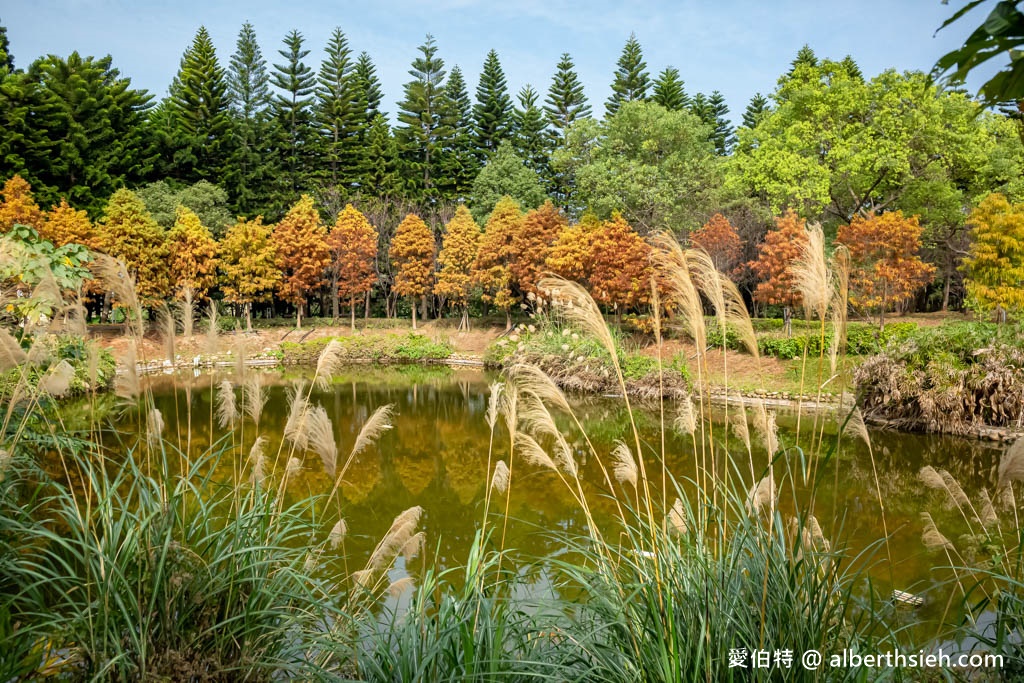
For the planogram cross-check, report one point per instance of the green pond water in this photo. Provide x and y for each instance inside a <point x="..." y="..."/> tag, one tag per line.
<point x="436" y="457"/>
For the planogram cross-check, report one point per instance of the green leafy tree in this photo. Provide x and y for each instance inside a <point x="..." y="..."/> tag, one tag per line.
<point x="293" y="110"/>
<point x="492" y="113"/>
<point x="631" y="78"/>
<point x="6" y="58"/>
<point x="341" y="113"/>
<point x="505" y="175"/>
<point x="529" y="127"/>
<point x="199" y="99"/>
<point x="756" y="109"/>
<point x="250" y="169"/>
<point x="208" y="201"/>
<point x="1002" y="33"/>
<point x="420" y="124"/>
<point x="668" y="90"/>
<point x="657" y="167"/>
<point x="31" y="259"/>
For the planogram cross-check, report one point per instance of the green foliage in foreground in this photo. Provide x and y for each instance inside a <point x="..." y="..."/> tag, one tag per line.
<point x="93" y="368"/>
<point x="406" y="347"/>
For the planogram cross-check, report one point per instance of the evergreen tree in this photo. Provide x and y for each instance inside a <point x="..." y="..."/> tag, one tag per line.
<point x="723" y="136"/>
<point x="250" y="169"/>
<point x="199" y="99"/>
<point x="420" y="123"/>
<point x="6" y="58"/>
<point x="852" y="68"/>
<point x="566" y="101"/>
<point x="505" y="174"/>
<point x="804" y="57"/>
<point x="380" y="177"/>
<point x="701" y="108"/>
<point x="528" y="137"/>
<point x="669" y="92"/>
<point x="492" y="112"/>
<point x="631" y="78"/>
<point x="341" y="113"/>
<point x="757" y="108"/>
<point x="368" y="85"/>
<point x="293" y="110"/>
<point x="461" y="165"/>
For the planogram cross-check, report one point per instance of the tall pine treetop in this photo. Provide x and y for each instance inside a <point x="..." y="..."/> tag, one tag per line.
<point x="368" y="84"/>
<point x="631" y="78"/>
<point x="294" y="78"/>
<point x="420" y="125"/>
<point x="566" y="100"/>
<point x="493" y="109"/>
<point x="756" y="108"/>
<point x="199" y="93"/>
<point x="669" y="92"/>
<point x="6" y="58"/>
<point x="248" y="79"/>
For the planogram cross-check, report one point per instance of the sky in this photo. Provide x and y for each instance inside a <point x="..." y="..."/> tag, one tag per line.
<point x="739" y="47"/>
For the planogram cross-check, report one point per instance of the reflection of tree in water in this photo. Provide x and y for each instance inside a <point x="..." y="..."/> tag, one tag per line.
<point x="415" y="471"/>
<point x="465" y="468"/>
<point x="362" y="477"/>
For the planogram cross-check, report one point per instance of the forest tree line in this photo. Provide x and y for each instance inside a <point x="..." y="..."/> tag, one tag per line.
<point x="249" y="138"/>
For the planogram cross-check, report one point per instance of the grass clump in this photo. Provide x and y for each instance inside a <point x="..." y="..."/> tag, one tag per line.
<point x="379" y="348"/>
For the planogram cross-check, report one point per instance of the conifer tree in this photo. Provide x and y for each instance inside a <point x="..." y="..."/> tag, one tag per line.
<point x="540" y="229"/>
<point x="192" y="254"/>
<point x="492" y="113"/>
<point x="492" y="269"/>
<point x="64" y="224"/>
<point x="341" y="113"/>
<point x="566" y="101"/>
<point x="380" y="176"/>
<point x="458" y="254"/>
<point x="368" y="85"/>
<point x="420" y="124"/>
<point x="412" y="253"/>
<point x="300" y="244"/>
<point x="668" y="90"/>
<point x="19" y="206"/>
<point x="620" y="273"/>
<point x="199" y="99"/>
<point x="248" y="265"/>
<point x="529" y="139"/>
<point x="293" y="108"/>
<point x="804" y="57"/>
<point x="6" y="58"/>
<point x="353" y="267"/>
<point x="128" y="233"/>
<point x="631" y="78"/>
<point x="250" y="168"/>
<point x="757" y="108"/>
<point x="461" y="164"/>
<point x="723" y="136"/>
<point x="994" y="269"/>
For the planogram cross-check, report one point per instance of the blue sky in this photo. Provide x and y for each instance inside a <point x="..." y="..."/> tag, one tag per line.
<point x="737" y="47"/>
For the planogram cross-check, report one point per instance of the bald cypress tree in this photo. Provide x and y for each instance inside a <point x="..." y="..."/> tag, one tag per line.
<point x="199" y="100"/>
<point x="566" y="100"/>
<point x="669" y="92"/>
<point x="492" y="113"/>
<point x="631" y="77"/>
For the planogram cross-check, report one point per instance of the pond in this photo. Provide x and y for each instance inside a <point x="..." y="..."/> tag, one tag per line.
<point x="436" y="456"/>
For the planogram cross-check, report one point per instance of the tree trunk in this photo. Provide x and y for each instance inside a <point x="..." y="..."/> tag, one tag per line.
<point x="424" y="313"/>
<point x="353" y="314"/>
<point x="334" y="300"/>
<point x="367" y="300"/>
<point x="787" y="320"/>
<point x="945" y="291"/>
<point x="464" y="325"/>
<point x="248" y="316"/>
<point x="508" y="319"/>
<point x="414" y="314"/>
<point x="298" y="317"/>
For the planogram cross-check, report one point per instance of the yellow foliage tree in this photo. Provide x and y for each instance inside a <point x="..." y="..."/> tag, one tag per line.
<point x="128" y="232"/>
<point x="300" y="240"/>
<point x="248" y="265"/>
<point x="412" y="252"/>
<point x="458" y="253"/>
<point x="571" y="256"/>
<point x="994" y="270"/>
<point x="353" y="245"/>
<point x="492" y="270"/>
<point x="18" y="206"/>
<point x="64" y="224"/>
<point x="193" y="254"/>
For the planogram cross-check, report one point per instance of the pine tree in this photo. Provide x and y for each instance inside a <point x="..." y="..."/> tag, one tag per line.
<point x="756" y="109"/>
<point x="293" y="111"/>
<point x="250" y="169"/>
<point x="420" y="125"/>
<point x="566" y="101"/>
<point x="528" y="137"/>
<point x="723" y="136"/>
<point x="128" y="233"/>
<point x="6" y="58"/>
<point x="804" y="57"/>
<point x="631" y="78"/>
<point x="199" y="99"/>
<point x="669" y="92"/>
<point x="492" y="113"/>
<point x="852" y="68"/>
<point x="341" y="113"/>
<point x="300" y="243"/>
<point x="458" y="253"/>
<point x="461" y="165"/>
<point x="368" y="85"/>
<point x="248" y="265"/>
<point x="380" y="176"/>
<point x="192" y="254"/>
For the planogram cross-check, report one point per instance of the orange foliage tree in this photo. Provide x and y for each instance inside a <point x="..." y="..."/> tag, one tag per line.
<point x="412" y="252"/>
<point x="780" y="251"/>
<point x="18" y="206"/>
<point x="885" y="268"/>
<point x="722" y="243"/>
<point x="458" y="254"/>
<point x="621" y="265"/>
<point x="540" y="229"/>
<point x="64" y="224"/>
<point x="193" y="255"/>
<point x="300" y="242"/>
<point x="493" y="267"/>
<point x="248" y="264"/>
<point x="571" y="255"/>
<point x="353" y="245"/>
<point x="128" y="232"/>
